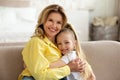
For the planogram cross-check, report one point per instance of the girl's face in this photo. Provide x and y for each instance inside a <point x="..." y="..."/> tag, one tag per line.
<point x="66" y="42"/>
<point x="53" y="25"/>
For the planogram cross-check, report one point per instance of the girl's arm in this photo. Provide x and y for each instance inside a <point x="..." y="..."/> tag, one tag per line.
<point x="60" y="63"/>
<point x="57" y="64"/>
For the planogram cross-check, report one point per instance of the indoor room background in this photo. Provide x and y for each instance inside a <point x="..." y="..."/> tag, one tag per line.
<point x="18" y="17"/>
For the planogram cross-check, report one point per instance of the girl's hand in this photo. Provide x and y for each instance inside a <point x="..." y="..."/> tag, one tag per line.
<point x="77" y="65"/>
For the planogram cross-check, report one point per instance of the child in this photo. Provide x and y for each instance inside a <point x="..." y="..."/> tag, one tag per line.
<point x="67" y="42"/>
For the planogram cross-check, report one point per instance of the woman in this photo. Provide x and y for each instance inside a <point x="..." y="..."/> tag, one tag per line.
<point x="41" y="51"/>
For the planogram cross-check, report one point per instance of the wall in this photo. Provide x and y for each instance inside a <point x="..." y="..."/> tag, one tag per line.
<point x="104" y="8"/>
<point x="80" y="21"/>
<point x="18" y="24"/>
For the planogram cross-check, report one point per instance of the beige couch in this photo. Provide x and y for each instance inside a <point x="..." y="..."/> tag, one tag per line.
<point x="104" y="57"/>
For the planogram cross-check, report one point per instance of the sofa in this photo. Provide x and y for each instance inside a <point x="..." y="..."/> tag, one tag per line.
<point x="104" y="57"/>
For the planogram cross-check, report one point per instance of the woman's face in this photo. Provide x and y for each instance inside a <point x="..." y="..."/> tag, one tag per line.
<point x="53" y="25"/>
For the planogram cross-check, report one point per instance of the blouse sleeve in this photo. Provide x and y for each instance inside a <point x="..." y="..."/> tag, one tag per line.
<point x="38" y="65"/>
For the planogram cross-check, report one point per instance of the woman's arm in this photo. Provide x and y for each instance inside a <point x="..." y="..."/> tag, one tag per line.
<point x="61" y="62"/>
<point x="38" y="64"/>
<point x="57" y="64"/>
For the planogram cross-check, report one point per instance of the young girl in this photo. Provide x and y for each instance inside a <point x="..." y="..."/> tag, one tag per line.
<point x="67" y="42"/>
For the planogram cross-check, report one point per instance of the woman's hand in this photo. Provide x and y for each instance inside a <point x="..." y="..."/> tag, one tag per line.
<point x="77" y="65"/>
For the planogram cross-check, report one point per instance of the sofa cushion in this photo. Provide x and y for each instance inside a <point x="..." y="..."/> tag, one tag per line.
<point x="11" y="63"/>
<point x="104" y="57"/>
<point x="12" y="44"/>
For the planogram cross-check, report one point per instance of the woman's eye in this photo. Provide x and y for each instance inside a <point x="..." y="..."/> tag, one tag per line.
<point x="50" y="20"/>
<point x="58" y="43"/>
<point x="59" y="22"/>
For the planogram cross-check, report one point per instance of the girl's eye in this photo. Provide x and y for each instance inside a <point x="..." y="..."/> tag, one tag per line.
<point x="66" y="42"/>
<point x="50" y="20"/>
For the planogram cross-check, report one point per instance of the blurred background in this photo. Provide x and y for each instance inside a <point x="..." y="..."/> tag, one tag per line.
<point x="18" y="18"/>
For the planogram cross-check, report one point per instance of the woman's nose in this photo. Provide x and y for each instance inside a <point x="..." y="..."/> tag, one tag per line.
<point x="54" y="24"/>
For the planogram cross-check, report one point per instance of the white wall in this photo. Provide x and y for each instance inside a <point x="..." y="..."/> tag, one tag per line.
<point x="18" y="24"/>
<point x="80" y="21"/>
<point x="104" y="8"/>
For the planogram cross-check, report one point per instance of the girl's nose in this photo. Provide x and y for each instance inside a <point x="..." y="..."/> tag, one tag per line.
<point x="63" y="46"/>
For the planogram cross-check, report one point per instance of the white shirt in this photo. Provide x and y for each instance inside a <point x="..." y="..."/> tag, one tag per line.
<point x="67" y="58"/>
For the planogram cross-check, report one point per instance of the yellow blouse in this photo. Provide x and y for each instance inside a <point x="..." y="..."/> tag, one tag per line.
<point x="37" y="55"/>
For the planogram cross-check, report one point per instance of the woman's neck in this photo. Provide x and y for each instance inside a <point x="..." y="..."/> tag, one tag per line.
<point x="52" y="39"/>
